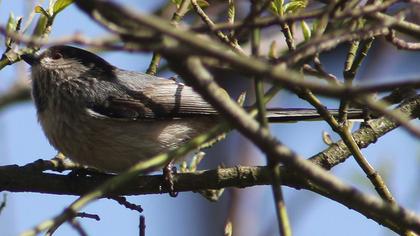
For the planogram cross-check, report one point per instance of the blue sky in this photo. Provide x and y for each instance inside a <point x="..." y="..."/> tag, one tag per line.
<point x="396" y="155"/>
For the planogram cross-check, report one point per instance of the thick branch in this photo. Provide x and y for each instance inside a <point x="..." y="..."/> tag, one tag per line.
<point x="21" y="179"/>
<point x="24" y="179"/>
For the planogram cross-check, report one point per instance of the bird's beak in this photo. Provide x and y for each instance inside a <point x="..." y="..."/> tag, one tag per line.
<point x="31" y="59"/>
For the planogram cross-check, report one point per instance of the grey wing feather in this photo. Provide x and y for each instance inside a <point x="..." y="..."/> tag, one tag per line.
<point x="145" y="96"/>
<point x="142" y="96"/>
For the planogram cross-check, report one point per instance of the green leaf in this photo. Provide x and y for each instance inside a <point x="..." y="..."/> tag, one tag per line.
<point x="11" y="22"/>
<point x="277" y="7"/>
<point x="203" y="3"/>
<point x="13" y="25"/>
<point x="59" y="5"/>
<point x="272" y="53"/>
<point x="40" y="10"/>
<point x="40" y="25"/>
<point x="306" y="30"/>
<point x="295" y="5"/>
<point x="10" y="26"/>
<point x="241" y="98"/>
<point x="231" y="11"/>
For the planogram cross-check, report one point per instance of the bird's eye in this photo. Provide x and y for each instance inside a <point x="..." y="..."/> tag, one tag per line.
<point x="57" y="56"/>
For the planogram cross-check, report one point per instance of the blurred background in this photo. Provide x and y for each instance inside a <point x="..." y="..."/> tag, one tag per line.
<point x="395" y="156"/>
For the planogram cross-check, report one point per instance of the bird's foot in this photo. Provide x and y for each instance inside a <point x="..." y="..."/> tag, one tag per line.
<point x="168" y="179"/>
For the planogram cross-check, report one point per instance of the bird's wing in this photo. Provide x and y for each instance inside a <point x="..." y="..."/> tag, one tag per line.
<point x="149" y="97"/>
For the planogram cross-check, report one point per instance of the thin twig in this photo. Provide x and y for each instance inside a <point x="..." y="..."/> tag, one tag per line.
<point x="260" y="22"/>
<point x="280" y="206"/>
<point x="399" y="25"/>
<point x="123" y="201"/>
<point x="180" y="12"/>
<point x="78" y="227"/>
<point x="331" y="40"/>
<point x="348" y="76"/>
<point x="225" y="39"/>
<point x="142" y="225"/>
<point x="108" y="41"/>
<point x="402" y="44"/>
<point x="327" y="76"/>
<point x="88" y="215"/>
<point x="370" y="172"/>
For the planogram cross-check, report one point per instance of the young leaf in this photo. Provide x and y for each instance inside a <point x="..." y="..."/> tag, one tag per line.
<point x="11" y="22"/>
<point x="277" y="7"/>
<point x="295" y="5"/>
<point x="203" y="3"/>
<point x="39" y="9"/>
<point x="305" y="30"/>
<point x="272" y="53"/>
<point x="40" y="25"/>
<point x="59" y="5"/>
<point x="231" y="11"/>
<point x="13" y="25"/>
<point x="10" y="26"/>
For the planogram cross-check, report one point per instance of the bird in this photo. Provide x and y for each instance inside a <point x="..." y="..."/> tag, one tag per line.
<point x="107" y="118"/>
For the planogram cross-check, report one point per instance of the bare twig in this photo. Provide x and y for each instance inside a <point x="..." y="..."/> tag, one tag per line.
<point x="224" y="38"/>
<point x="142" y="226"/>
<point x="180" y="12"/>
<point x="78" y="227"/>
<point x="260" y="22"/>
<point x="402" y="44"/>
<point x="329" y="41"/>
<point x="88" y="215"/>
<point x="108" y="42"/>
<point x="280" y="206"/>
<point x="123" y="201"/>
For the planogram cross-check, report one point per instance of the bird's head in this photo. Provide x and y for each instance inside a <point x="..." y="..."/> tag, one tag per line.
<point x="67" y="60"/>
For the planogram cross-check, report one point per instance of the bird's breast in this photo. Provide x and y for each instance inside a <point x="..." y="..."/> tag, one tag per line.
<point x="115" y="145"/>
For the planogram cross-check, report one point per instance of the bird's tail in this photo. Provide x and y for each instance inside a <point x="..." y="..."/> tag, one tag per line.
<point x="304" y="114"/>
